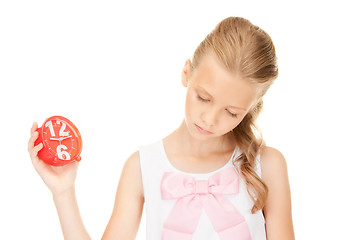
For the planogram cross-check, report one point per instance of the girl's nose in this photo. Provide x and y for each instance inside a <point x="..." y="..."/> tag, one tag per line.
<point x="209" y="117"/>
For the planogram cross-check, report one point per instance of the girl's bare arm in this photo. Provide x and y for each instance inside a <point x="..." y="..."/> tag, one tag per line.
<point x="129" y="201"/>
<point x="278" y="209"/>
<point x="68" y="212"/>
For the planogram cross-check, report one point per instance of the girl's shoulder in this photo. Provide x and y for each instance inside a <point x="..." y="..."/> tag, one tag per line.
<point x="272" y="161"/>
<point x="275" y="175"/>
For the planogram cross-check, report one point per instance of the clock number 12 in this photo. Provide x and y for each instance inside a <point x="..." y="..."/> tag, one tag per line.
<point x="62" y="133"/>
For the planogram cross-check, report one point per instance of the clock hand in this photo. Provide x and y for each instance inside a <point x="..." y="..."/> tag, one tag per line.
<point x="66" y="137"/>
<point x="58" y="139"/>
<point x="61" y="138"/>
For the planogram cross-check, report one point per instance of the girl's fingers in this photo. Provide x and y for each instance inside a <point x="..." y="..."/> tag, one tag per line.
<point x="31" y="141"/>
<point x="33" y="136"/>
<point x="36" y="149"/>
<point x="34" y="128"/>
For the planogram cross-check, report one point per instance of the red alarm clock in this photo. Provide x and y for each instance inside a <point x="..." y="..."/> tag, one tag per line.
<point x="61" y="140"/>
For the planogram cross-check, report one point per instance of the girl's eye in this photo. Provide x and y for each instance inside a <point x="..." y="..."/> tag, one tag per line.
<point x="206" y="100"/>
<point x="202" y="99"/>
<point x="232" y="114"/>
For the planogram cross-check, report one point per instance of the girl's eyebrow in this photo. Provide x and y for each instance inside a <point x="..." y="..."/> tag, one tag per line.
<point x="206" y="92"/>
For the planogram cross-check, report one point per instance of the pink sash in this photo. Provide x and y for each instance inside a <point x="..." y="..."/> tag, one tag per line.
<point x="194" y="195"/>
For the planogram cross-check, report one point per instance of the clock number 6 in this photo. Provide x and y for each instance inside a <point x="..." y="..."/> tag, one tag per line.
<point x="62" y="133"/>
<point x="61" y="153"/>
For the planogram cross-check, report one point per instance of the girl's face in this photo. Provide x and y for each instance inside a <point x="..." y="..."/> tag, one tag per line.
<point x="216" y="100"/>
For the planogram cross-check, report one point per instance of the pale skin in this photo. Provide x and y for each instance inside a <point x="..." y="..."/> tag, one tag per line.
<point x="226" y="99"/>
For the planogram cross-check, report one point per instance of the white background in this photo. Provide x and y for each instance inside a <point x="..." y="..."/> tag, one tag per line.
<point x="114" y="69"/>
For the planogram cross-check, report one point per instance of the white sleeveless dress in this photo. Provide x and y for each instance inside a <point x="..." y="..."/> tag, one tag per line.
<point x="154" y="163"/>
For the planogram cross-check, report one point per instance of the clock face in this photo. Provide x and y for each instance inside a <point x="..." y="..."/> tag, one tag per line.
<point x="62" y="138"/>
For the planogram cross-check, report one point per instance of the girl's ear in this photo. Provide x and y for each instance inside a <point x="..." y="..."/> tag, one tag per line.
<point x="186" y="71"/>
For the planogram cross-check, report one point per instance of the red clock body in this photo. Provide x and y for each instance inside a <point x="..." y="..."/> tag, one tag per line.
<point x="61" y="140"/>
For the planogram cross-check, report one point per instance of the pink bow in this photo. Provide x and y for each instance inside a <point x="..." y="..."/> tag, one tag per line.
<point x="194" y="195"/>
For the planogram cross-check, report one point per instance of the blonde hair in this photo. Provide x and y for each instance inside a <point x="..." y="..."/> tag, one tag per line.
<point x="245" y="49"/>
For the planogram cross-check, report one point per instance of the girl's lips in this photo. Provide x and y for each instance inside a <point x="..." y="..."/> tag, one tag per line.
<point x="202" y="130"/>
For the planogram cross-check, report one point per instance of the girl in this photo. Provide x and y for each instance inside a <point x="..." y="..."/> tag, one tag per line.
<point x="211" y="178"/>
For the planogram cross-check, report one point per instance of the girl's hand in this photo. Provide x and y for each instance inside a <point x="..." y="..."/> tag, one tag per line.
<point x="58" y="179"/>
